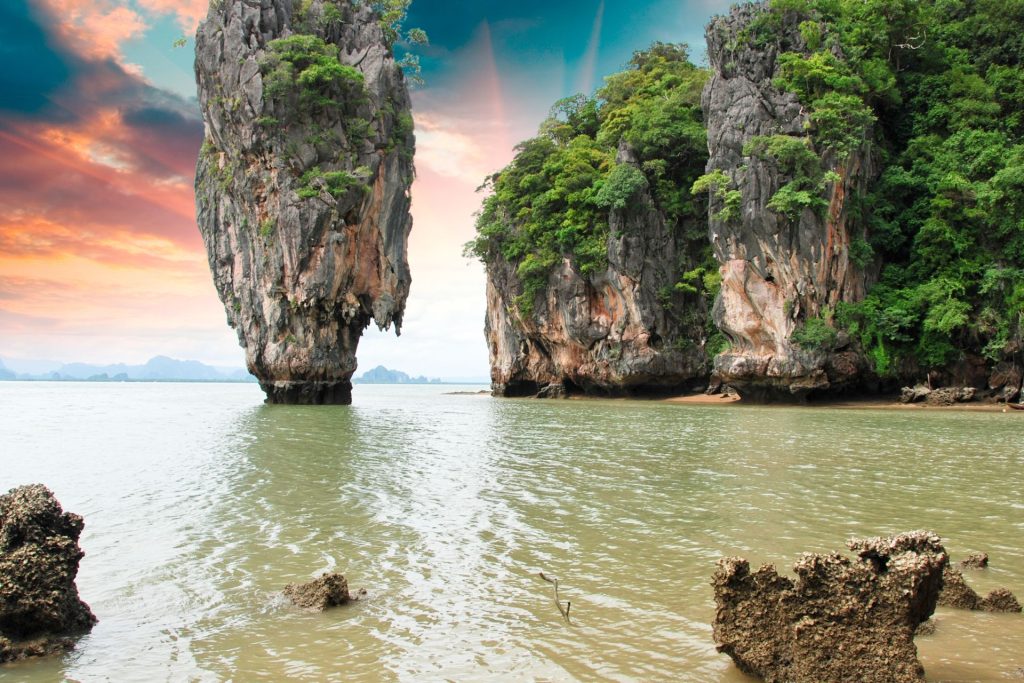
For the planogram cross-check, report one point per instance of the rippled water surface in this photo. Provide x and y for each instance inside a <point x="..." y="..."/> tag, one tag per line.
<point x="201" y="504"/>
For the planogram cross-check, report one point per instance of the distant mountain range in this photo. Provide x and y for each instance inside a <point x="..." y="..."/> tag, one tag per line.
<point x="164" y="369"/>
<point x="382" y="375"/>
<point x="158" y="369"/>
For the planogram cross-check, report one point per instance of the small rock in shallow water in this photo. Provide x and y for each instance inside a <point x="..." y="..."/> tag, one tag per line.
<point x="975" y="561"/>
<point x="956" y="593"/>
<point x="317" y="595"/>
<point x="1000" y="600"/>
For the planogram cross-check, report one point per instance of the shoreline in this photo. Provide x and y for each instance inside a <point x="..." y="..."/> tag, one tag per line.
<point x="866" y="403"/>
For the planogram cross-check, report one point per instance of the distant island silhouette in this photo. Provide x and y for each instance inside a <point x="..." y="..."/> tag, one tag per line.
<point x="156" y="369"/>
<point x="383" y="375"/>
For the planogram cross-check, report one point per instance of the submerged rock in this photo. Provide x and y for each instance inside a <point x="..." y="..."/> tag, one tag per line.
<point x="302" y="185"/>
<point x="974" y="561"/>
<point x="957" y="594"/>
<point x="39" y="556"/>
<point x="329" y="590"/>
<point x="841" y="620"/>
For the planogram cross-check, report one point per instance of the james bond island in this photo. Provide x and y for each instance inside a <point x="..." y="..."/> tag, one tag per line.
<point x="303" y="185"/>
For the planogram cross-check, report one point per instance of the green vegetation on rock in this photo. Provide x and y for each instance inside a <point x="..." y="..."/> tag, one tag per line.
<point x="554" y="200"/>
<point x="931" y="92"/>
<point x="944" y="82"/>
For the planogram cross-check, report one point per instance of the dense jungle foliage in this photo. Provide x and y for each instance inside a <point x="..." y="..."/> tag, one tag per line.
<point x="932" y="90"/>
<point x="936" y="89"/>
<point x="553" y="201"/>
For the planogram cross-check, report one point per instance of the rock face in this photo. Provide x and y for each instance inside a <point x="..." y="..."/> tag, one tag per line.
<point x="327" y="591"/>
<point x="841" y="620"/>
<point x="778" y="270"/>
<point x="39" y="556"/>
<point x="612" y="333"/>
<point x="1005" y="381"/>
<point x="302" y="186"/>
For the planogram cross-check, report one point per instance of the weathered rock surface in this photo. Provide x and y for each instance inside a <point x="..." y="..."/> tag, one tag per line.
<point x="974" y="561"/>
<point x="1005" y="381"/>
<point x="302" y="186"/>
<point x="609" y="333"/>
<point x="956" y="593"/>
<point x="330" y="590"/>
<point x="947" y="396"/>
<point x="39" y="556"/>
<point x="777" y="271"/>
<point x="1000" y="600"/>
<point x="841" y="620"/>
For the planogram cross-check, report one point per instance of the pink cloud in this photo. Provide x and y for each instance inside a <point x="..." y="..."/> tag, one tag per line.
<point x="95" y="29"/>
<point x="188" y="12"/>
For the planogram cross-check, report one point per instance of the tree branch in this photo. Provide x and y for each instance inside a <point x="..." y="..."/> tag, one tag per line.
<point x="558" y="603"/>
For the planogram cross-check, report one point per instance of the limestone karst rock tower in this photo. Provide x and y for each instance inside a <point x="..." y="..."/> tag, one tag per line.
<point x="302" y="186"/>
<point x="780" y="266"/>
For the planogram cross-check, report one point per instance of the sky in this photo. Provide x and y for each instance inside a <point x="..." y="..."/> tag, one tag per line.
<point x="100" y="257"/>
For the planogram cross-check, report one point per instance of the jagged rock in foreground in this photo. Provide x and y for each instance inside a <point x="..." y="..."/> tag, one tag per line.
<point x="778" y="270"/>
<point x="302" y="186"/>
<point x="39" y="556"/>
<point x="841" y="620"/>
<point x="956" y="593"/>
<point x="329" y="590"/>
<point x="610" y="333"/>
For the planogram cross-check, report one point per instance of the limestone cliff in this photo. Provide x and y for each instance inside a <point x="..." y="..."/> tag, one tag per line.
<point x="302" y="186"/>
<point x="779" y="269"/>
<point x="620" y="331"/>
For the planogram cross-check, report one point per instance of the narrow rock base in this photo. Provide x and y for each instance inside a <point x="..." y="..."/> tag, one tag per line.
<point x="308" y="393"/>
